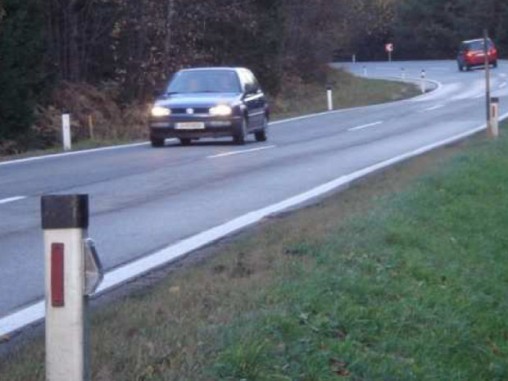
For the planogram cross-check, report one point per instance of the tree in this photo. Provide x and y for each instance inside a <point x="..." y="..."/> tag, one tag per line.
<point x="22" y="75"/>
<point x="434" y="28"/>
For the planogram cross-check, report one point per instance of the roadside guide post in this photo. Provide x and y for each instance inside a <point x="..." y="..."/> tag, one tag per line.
<point x="364" y="70"/>
<point x="72" y="273"/>
<point x="66" y="132"/>
<point x="487" y="78"/>
<point x="494" y="117"/>
<point x="353" y="59"/>
<point x="402" y="73"/>
<point x="329" y="97"/>
<point x="389" y="50"/>
<point x="422" y="81"/>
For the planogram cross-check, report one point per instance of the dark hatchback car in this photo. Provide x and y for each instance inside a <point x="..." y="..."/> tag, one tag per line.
<point x="472" y="53"/>
<point x="210" y="102"/>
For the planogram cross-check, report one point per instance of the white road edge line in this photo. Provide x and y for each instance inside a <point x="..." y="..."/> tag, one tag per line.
<point x="239" y="152"/>
<point x="12" y="199"/>
<point x="365" y="126"/>
<point x="35" y="312"/>
<point x="72" y="153"/>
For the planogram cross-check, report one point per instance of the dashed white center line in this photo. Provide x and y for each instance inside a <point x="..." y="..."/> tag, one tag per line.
<point x="502" y="85"/>
<point x="433" y="108"/>
<point x="365" y="126"/>
<point x="239" y="152"/>
<point x="12" y="199"/>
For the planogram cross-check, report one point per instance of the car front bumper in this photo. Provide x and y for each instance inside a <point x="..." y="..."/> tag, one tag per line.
<point x="174" y="127"/>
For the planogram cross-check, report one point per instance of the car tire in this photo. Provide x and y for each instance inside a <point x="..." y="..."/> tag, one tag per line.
<point x="261" y="135"/>
<point x="156" y="142"/>
<point x="461" y="67"/>
<point x="494" y="64"/>
<point x="241" y="133"/>
<point x="468" y="68"/>
<point x="185" y="141"/>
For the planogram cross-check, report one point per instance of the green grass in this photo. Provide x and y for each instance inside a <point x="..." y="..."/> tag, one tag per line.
<point x="415" y="290"/>
<point x="347" y="91"/>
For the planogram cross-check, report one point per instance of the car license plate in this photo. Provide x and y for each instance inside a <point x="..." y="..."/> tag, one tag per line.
<point x="190" y="126"/>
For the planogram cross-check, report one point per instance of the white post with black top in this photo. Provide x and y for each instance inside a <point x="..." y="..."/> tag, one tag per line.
<point x="65" y="223"/>
<point x="329" y="98"/>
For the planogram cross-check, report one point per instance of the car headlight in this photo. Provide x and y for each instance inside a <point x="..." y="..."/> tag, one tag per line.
<point x="221" y="110"/>
<point x="159" y="111"/>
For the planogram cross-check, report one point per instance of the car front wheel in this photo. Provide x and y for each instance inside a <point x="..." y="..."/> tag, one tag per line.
<point x="241" y="133"/>
<point x="261" y="135"/>
<point x="156" y="142"/>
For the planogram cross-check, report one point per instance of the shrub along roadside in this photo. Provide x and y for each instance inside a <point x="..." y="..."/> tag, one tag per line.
<point x="375" y="283"/>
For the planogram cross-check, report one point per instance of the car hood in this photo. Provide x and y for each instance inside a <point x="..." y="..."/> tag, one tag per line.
<point x="198" y="99"/>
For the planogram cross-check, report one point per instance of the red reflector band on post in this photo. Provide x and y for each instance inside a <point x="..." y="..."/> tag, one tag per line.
<point x="57" y="274"/>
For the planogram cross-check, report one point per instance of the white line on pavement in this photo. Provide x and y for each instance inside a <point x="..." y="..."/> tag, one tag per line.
<point x="12" y="199"/>
<point x="35" y="312"/>
<point x="365" y="126"/>
<point x="433" y="108"/>
<point x="239" y="152"/>
<point x="73" y="153"/>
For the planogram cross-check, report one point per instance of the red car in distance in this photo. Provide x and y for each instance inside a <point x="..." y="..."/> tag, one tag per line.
<point x="472" y="53"/>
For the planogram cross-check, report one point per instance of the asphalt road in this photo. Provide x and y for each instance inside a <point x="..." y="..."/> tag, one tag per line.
<point x="143" y="199"/>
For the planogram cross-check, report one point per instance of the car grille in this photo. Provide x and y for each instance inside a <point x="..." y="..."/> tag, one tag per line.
<point x="183" y="111"/>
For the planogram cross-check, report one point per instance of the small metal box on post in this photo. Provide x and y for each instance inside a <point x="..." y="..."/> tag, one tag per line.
<point x="494" y="117"/>
<point x="70" y="259"/>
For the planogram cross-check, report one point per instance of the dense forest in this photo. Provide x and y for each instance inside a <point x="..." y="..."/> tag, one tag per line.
<point x="54" y="52"/>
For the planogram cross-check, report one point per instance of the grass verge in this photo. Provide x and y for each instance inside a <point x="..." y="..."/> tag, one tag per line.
<point x="401" y="277"/>
<point x="347" y="90"/>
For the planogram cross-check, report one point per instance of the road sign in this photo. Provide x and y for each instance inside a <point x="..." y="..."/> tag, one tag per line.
<point x="389" y="47"/>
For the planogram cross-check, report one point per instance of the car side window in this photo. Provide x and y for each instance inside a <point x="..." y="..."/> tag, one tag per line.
<point x="250" y="84"/>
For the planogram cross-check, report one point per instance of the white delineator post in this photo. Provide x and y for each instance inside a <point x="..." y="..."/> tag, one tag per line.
<point x="494" y="117"/>
<point x="364" y="70"/>
<point x="402" y="73"/>
<point x="66" y="132"/>
<point x="329" y="97"/>
<point x="65" y="223"/>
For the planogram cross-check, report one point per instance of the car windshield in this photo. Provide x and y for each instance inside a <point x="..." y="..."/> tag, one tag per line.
<point x="204" y="81"/>
<point x="477" y="45"/>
